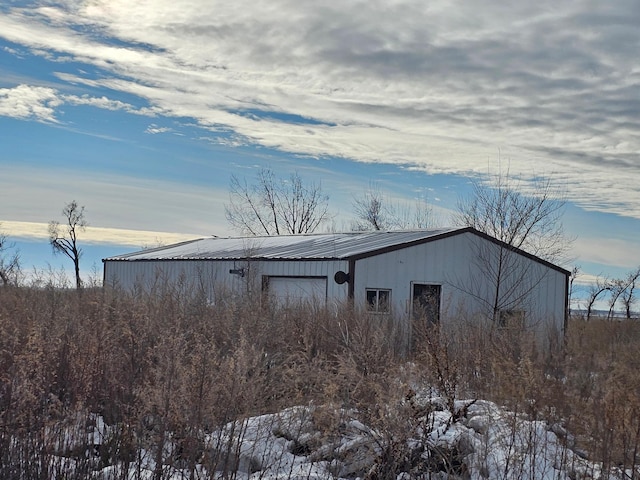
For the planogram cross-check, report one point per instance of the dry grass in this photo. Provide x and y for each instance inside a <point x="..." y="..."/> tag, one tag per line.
<point x="165" y="364"/>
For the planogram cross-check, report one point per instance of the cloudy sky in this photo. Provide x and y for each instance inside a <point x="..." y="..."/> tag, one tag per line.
<point x="142" y="110"/>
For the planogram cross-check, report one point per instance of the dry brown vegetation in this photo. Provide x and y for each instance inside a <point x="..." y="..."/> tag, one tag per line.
<point x="167" y="366"/>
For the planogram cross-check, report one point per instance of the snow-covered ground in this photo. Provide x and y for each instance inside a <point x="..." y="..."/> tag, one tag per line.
<point x="475" y="439"/>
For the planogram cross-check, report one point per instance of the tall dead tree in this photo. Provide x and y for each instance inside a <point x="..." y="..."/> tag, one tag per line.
<point x="375" y="211"/>
<point x="595" y="291"/>
<point x="64" y="237"/>
<point x="9" y="261"/>
<point x="619" y="289"/>
<point x="370" y="211"/>
<point x="629" y="294"/>
<point x="531" y="222"/>
<point x="273" y="206"/>
<point x="575" y="272"/>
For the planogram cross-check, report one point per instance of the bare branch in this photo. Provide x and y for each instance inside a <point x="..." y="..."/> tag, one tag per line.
<point x="64" y="239"/>
<point x="601" y="286"/>
<point x="374" y="211"/>
<point x="629" y="295"/>
<point x="245" y="211"/>
<point x="274" y="206"/>
<point x="9" y="261"/>
<point x="528" y="222"/>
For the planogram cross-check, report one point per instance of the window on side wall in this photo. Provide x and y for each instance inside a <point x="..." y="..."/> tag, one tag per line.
<point x="511" y="319"/>
<point x="378" y="300"/>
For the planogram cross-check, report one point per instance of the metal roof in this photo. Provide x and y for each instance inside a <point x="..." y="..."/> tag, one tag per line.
<point x="289" y="247"/>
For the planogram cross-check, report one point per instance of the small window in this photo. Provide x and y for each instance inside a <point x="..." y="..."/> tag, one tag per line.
<point x="511" y="319"/>
<point x="378" y="301"/>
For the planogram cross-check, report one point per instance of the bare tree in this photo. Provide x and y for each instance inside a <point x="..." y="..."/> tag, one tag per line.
<point x="531" y="222"/>
<point x="371" y="211"/>
<point x="421" y="215"/>
<point x="575" y="271"/>
<point x="528" y="222"/>
<point x="629" y="294"/>
<point x="623" y="289"/>
<point x="597" y="289"/>
<point x="273" y="206"/>
<point x="64" y="238"/>
<point x="9" y="261"/>
<point x="374" y="211"/>
<point x="617" y="288"/>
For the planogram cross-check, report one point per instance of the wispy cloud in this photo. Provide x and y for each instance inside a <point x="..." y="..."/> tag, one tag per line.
<point x="442" y="86"/>
<point x="608" y="251"/>
<point x="154" y="129"/>
<point x="99" y="235"/>
<point x="98" y="102"/>
<point x="119" y="201"/>
<point x="29" y="102"/>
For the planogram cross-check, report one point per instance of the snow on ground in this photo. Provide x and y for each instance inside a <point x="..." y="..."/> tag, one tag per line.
<point x="477" y="440"/>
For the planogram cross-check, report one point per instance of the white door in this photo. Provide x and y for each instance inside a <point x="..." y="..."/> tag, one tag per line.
<point x="298" y="289"/>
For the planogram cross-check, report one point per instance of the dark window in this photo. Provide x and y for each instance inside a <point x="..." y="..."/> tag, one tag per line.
<point x="426" y="303"/>
<point x="511" y="319"/>
<point x="378" y="301"/>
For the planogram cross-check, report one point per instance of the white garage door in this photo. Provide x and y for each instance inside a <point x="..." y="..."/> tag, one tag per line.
<point x="297" y="289"/>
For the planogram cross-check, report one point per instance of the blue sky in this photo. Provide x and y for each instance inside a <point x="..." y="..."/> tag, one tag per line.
<point x="141" y="111"/>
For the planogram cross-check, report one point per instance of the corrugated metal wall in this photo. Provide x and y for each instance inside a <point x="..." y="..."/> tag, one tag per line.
<point x="456" y="263"/>
<point x="213" y="277"/>
<point x="460" y="264"/>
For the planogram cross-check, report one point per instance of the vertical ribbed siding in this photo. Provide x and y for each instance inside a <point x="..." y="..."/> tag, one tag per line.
<point x="212" y="275"/>
<point x="452" y="263"/>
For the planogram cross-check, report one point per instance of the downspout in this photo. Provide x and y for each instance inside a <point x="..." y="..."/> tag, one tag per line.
<point x="566" y="307"/>
<point x="351" y="283"/>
